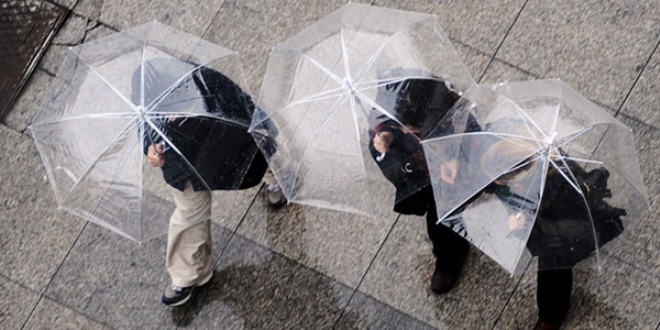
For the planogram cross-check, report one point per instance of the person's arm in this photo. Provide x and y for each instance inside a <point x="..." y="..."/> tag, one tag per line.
<point x="383" y="137"/>
<point x="515" y="205"/>
<point x="449" y="168"/>
<point x="153" y="144"/>
<point x="383" y="141"/>
<point x="155" y="155"/>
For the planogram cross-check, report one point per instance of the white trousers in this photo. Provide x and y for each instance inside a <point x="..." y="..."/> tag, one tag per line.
<point x="189" y="245"/>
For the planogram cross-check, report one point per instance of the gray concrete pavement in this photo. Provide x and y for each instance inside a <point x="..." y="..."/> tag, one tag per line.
<point x="301" y="268"/>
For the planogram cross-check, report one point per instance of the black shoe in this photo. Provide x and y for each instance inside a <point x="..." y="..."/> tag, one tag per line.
<point x="175" y="295"/>
<point x="444" y="279"/>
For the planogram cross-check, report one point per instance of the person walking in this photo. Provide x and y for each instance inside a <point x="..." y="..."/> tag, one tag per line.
<point x="196" y="155"/>
<point x="562" y="233"/>
<point x="419" y="104"/>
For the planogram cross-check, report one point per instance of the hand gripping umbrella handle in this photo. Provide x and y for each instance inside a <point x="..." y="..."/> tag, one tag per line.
<point x="380" y="157"/>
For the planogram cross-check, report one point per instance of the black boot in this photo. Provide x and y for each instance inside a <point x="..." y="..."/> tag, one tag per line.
<point x="450" y="250"/>
<point x="445" y="276"/>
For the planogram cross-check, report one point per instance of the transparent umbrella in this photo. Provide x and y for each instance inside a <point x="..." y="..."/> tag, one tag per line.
<point x="550" y="174"/>
<point x="114" y="97"/>
<point x="327" y="88"/>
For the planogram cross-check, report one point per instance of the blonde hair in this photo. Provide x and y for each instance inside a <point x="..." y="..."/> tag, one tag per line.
<point x="506" y="151"/>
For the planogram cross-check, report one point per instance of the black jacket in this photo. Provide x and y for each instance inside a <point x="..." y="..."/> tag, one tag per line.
<point x="564" y="233"/>
<point x="420" y="103"/>
<point x="220" y="152"/>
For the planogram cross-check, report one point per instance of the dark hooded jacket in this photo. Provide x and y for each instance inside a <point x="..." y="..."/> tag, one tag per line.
<point x="212" y="153"/>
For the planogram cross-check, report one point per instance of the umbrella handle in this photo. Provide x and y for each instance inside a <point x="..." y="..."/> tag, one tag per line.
<point x="380" y="157"/>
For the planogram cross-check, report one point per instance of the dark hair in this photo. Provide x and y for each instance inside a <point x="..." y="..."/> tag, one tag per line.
<point x="421" y="100"/>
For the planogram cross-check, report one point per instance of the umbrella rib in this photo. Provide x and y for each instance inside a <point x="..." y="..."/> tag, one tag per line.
<point x="527" y="120"/>
<point x="318" y="96"/>
<point x="162" y="96"/>
<point x="344" y="55"/>
<point x="372" y="59"/>
<point x="90" y="116"/>
<point x="572" y="180"/>
<point x="108" y="147"/>
<point x="106" y="81"/>
<point x="307" y="99"/>
<point x="584" y="199"/>
<point x="357" y="133"/>
<point x="496" y="134"/>
<point x="556" y="119"/>
<point x="382" y="110"/>
<point x="132" y="114"/>
<point x="576" y="135"/>
<point x="583" y="160"/>
<point x="325" y="121"/>
<point x="384" y="82"/>
<point x="369" y="63"/>
<point x="324" y="69"/>
<point x="194" y="115"/>
<point x="599" y="162"/>
<point x="142" y="92"/>
<point x="155" y="102"/>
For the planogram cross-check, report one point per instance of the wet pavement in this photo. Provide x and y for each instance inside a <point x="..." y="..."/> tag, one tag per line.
<point x="303" y="268"/>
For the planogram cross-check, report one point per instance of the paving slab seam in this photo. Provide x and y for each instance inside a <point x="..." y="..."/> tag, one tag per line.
<point x="508" y="299"/>
<point x="224" y="248"/>
<point x="233" y="233"/>
<point x="642" y="270"/>
<point x="495" y="59"/>
<point x="639" y="75"/>
<point x="203" y="35"/>
<point x="651" y="128"/>
<point x="515" y="19"/>
<point x="6" y="278"/>
<point x="84" y="37"/>
<point x="71" y="309"/>
<point x="364" y="275"/>
<point x="278" y="254"/>
<point x="312" y="270"/>
<point x="41" y="296"/>
<point x="249" y="240"/>
<point x="13" y="129"/>
<point x="387" y="305"/>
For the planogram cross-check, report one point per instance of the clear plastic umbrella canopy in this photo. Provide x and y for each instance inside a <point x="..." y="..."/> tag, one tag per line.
<point x="549" y="175"/>
<point x="115" y="96"/>
<point x="327" y="87"/>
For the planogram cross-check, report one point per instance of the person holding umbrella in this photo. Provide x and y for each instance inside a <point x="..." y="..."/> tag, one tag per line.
<point x="197" y="154"/>
<point x="552" y="176"/>
<point x="419" y="104"/>
<point x="562" y="234"/>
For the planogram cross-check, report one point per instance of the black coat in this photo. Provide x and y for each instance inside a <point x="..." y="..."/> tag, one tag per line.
<point x="420" y="103"/>
<point x="563" y="233"/>
<point x="222" y="153"/>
